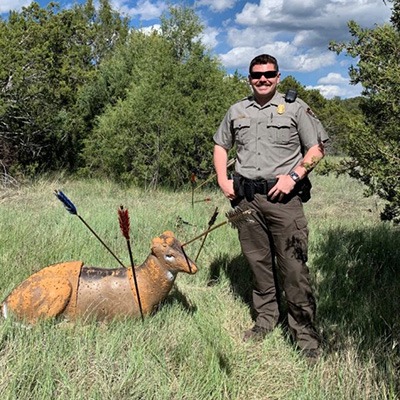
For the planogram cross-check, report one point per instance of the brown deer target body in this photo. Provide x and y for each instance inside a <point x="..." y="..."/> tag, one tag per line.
<point x="72" y="290"/>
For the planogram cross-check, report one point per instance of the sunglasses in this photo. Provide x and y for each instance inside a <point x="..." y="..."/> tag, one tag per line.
<point x="267" y="74"/>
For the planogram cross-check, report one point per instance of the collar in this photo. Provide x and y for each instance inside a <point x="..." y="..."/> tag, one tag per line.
<point x="275" y="101"/>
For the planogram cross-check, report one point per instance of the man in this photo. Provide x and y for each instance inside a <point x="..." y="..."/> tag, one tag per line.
<point x="278" y="142"/>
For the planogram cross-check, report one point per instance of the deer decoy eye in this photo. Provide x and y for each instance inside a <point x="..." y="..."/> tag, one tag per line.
<point x="169" y="257"/>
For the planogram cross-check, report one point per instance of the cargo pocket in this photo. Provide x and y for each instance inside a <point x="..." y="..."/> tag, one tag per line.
<point x="300" y="239"/>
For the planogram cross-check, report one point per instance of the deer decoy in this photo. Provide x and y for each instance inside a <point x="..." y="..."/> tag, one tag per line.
<point x="73" y="291"/>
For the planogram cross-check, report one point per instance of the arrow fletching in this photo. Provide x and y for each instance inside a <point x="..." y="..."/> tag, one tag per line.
<point x="68" y="204"/>
<point x="238" y="216"/>
<point x="233" y="218"/>
<point x="213" y="218"/>
<point x="124" y="224"/>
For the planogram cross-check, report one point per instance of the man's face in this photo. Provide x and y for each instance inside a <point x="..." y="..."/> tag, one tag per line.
<point x="264" y="87"/>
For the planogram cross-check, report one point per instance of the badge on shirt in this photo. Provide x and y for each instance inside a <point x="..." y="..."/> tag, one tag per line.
<point x="281" y="109"/>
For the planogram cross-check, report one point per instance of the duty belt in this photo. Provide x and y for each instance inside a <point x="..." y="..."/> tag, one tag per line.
<point x="249" y="187"/>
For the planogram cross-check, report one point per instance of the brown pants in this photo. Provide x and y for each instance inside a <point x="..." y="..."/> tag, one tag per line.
<point x="278" y="231"/>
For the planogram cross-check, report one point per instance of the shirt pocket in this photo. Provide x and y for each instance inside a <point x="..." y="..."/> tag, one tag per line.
<point x="241" y="129"/>
<point x="281" y="129"/>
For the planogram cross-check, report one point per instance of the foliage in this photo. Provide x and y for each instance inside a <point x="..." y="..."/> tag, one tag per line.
<point x="181" y="26"/>
<point x="374" y="144"/>
<point x="159" y="128"/>
<point x="45" y="57"/>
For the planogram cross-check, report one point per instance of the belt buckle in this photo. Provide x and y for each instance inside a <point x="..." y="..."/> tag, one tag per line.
<point x="261" y="186"/>
<point x="271" y="183"/>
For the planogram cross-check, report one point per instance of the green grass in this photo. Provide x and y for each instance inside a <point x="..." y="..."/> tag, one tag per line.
<point x="192" y="348"/>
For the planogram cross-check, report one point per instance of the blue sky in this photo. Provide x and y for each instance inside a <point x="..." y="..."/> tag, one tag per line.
<point x="296" y="32"/>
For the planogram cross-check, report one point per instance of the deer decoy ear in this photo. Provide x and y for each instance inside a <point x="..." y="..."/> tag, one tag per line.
<point x="168" y="234"/>
<point x="158" y="244"/>
<point x="166" y="239"/>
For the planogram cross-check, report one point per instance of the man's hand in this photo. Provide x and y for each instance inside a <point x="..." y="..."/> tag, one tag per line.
<point x="226" y="186"/>
<point x="283" y="187"/>
<point x="220" y="163"/>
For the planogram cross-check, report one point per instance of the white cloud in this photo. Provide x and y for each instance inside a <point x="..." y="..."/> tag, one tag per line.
<point x="313" y="13"/>
<point x="335" y="84"/>
<point x="304" y="38"/>
<point x="312" y="21"/>
<point x="300" y="7"/>
<point x="7" y="5"/>
<point x="345" y="91"/>
<point x="216" y="5"/>
<point x="209" y="37"/>
<point x="333" y="78"/>
<point x="328" y="91"/>
<point x="253" y="14"/>
<point x="144" y="10"/>
<point x="250" y="36"/>
<point x="309" y="61"/>
<point x="238" y="57"/>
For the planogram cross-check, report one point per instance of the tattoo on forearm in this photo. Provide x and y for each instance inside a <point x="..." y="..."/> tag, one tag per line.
<point x="309" y="166"/>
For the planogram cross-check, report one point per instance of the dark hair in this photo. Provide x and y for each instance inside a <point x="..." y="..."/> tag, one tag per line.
<point x="263" y="59"/>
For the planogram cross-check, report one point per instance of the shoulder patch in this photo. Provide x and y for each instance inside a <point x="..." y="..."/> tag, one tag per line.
<point x="307" y="108"/>
<point x="311" y="112"/>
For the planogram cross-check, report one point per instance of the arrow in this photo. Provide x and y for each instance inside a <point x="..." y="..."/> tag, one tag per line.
<point x="70" y="207"/>
<point x="210" y="224"/>
<point x="123" y="217"/>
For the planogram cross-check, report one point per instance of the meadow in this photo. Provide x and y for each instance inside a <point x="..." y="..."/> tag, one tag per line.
<point x="192" y="347"/>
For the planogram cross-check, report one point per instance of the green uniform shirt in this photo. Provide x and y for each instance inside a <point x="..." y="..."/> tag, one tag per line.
<point x="270" y="140"/>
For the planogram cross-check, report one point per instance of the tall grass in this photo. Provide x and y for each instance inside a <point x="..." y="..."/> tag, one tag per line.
<point x="192" y="348"/>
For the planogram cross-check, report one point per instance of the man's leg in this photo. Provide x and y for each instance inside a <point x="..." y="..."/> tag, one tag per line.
<point x="290" y="235"/>
<point x="255" y="244"/>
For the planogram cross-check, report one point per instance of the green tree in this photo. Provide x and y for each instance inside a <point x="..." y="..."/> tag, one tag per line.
<point x="156" y="126"/>
<point x="180" y="26"/>
<point x="46" y="55"/>
<point x="106" y="28"/>
<point x="339" y="116"/>
<point x="374" y="144"/>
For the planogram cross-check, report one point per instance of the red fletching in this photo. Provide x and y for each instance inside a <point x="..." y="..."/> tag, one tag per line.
<point x="123" y="217"/>
<point x="193" y="178"/>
